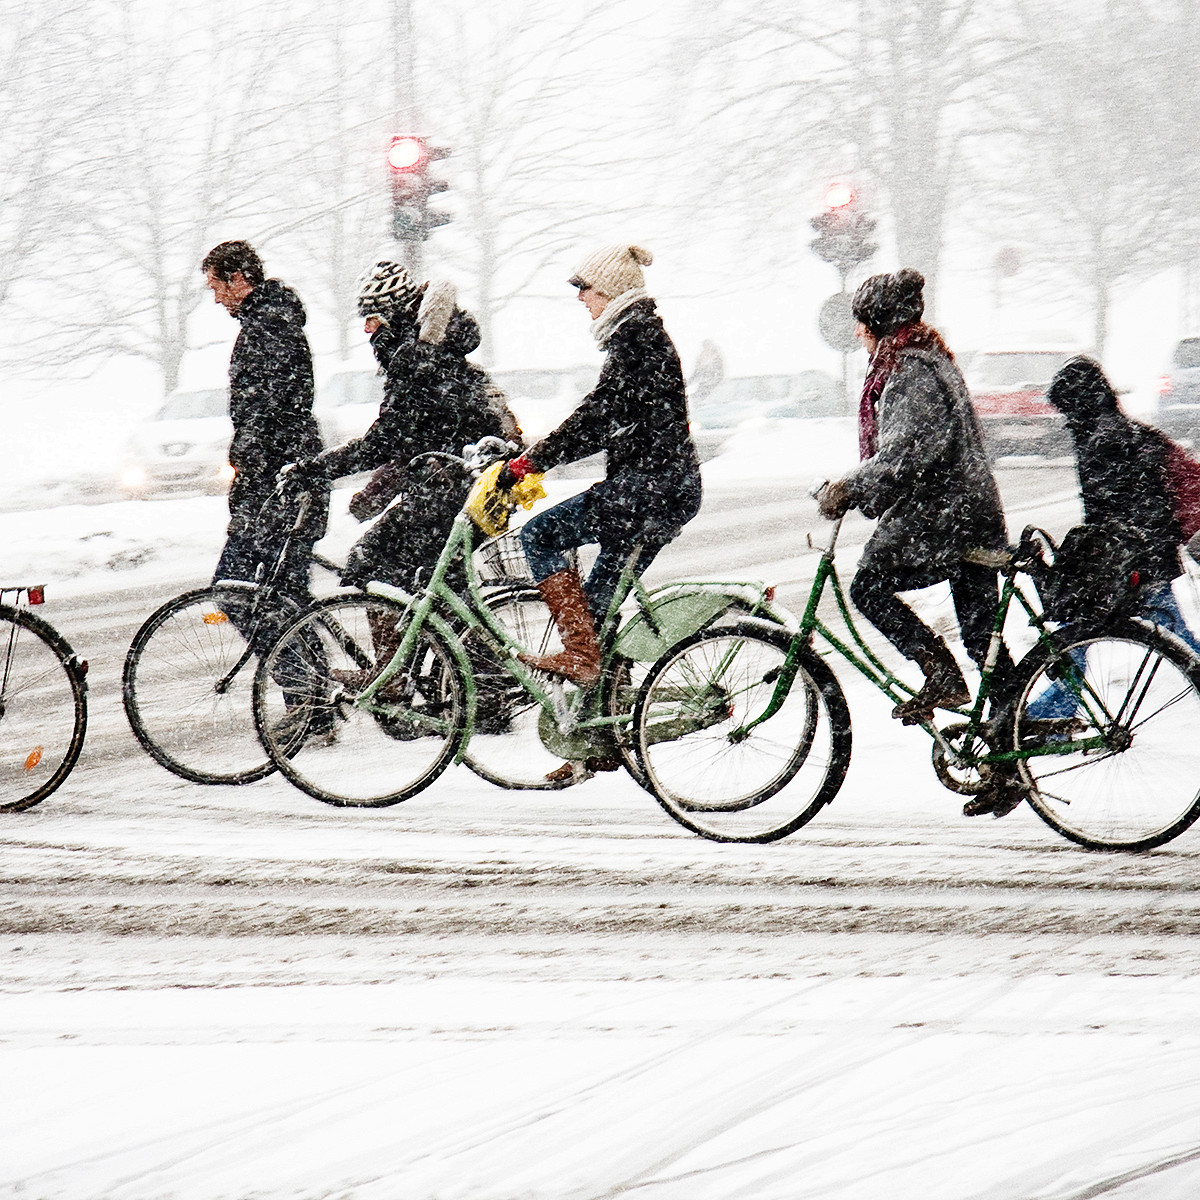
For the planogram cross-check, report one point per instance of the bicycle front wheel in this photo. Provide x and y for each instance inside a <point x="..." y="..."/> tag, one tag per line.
<point x="1115" y="719"/>
<point x="711" y="774"/>
<point x="338" y="747"/>
<point x="43" y="709"/>
<point x="188" y="684"/>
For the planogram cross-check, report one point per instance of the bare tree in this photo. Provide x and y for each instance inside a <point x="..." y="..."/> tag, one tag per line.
<point x="189" y="98"/>
<point x="332" y="192"/>
<point x="884" y="91"/>
<point x="44" y="120"/>
<point x="1106" y="145"/>
<point x="533" y="109"/>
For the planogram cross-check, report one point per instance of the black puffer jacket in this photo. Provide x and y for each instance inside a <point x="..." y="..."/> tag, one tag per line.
<point x="433" y="400"/>
<point x="637" y="412"/>
<point x="270" y="389"/>
<point x="1122" y="469"/>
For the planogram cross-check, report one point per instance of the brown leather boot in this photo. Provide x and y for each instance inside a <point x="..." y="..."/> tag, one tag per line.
<point x="579" y="659"/>
<point x="583" y="770"/>
<point x="944" y="687"/>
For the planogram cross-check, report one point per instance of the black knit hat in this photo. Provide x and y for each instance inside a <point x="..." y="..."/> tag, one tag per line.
<point x="885" y="302"/>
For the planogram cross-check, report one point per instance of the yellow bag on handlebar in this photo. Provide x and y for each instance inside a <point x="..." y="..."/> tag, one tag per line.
<point x="488" y="506"/>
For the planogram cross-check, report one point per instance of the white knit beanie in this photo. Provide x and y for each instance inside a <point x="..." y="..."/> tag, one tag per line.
<point x="613" y="270"/>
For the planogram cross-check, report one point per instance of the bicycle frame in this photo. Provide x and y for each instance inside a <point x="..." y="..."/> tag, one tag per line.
<point x="583" y="710"/>
<point x="266" y="584"/>
<point x="868" y="664"/>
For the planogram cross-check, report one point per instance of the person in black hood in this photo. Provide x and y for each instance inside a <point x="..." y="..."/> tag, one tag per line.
<point x="270" y="405"/>
<point x="1121" y="466"/>
<point x="637" y="413"/>
<point x="1124" y="485"/>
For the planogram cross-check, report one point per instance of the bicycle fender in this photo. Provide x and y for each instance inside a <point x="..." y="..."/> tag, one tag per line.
<point x="678" y="610"/>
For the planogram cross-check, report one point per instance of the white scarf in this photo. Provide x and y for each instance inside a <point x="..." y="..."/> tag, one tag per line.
<point x="605" y="325"/>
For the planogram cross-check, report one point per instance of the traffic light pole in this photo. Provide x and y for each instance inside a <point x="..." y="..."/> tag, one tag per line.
<point x="405" y="92"/>
<point x="844" y="272"/>
<point x="844" y="241"/>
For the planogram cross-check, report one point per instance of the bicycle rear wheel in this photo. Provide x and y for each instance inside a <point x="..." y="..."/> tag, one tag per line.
<point x="1140" y="693"/>
<point x="721" y="782"/>
<point x="506" y="747"/>
<point x="188" y="684"/>
<point x="329" y="746"/>
<point x="43" y="709"/>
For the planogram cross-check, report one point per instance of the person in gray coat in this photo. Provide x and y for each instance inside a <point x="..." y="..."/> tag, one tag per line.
<point x="925" y="475"/>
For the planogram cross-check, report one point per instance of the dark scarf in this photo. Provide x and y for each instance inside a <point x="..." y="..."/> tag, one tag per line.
<point x="916" y="335"/>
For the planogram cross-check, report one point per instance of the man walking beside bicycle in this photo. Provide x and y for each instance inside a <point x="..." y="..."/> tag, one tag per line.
<point x="926" y="476"/>
<point x="270" y="405"/>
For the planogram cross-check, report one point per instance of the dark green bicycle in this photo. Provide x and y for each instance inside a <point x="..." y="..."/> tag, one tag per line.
<point x="743" y="732"/>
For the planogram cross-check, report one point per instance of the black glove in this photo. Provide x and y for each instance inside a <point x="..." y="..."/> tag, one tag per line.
<point x="506" y="480"/>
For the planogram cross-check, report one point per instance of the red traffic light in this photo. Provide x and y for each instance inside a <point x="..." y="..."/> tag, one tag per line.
<point x="839" y="195"/>
<point x="406" y="153"/>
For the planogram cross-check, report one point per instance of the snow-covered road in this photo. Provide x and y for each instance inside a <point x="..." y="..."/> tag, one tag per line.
<point x="239" y="992"/>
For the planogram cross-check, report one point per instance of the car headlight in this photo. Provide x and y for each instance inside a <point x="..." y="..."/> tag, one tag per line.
<point x="134" y="478"/>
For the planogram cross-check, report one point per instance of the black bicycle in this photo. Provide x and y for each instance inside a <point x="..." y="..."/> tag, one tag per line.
<point x="43" y="702"/>
<point x="190" y="668"/>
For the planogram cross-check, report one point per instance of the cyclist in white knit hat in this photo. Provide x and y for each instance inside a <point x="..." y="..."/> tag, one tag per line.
<point x="637" y="413"/>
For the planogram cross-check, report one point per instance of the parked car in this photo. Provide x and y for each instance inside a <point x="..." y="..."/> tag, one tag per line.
<point x="184" y="447"/>
<point x="1008" y="389"/>
<point x="741" y="398"/>
<point x="1178" y="403"/>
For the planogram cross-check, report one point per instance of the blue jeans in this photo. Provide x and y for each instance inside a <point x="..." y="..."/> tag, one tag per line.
<point x="550" y="534"/>
<point x="1159" y="606"/>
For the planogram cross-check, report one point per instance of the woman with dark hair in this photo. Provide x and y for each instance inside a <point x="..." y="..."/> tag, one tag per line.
<point x="925" y="475"/>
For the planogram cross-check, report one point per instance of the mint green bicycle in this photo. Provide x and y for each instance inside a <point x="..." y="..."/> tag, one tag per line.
<point x="366" y="698"/>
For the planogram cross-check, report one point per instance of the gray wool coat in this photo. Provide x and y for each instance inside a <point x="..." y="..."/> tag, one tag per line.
<point x="929" y="482"/>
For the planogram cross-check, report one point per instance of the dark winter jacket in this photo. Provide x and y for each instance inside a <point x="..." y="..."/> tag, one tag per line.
<point x="433" y="400"/>
<point x="637" y="412"/>
<point x="1122" y="469"/>
<point x="929" y="481"/>
<point x="270" y="387"/>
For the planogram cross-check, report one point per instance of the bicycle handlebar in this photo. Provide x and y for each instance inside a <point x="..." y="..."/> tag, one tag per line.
<point x="476" y="457"/>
